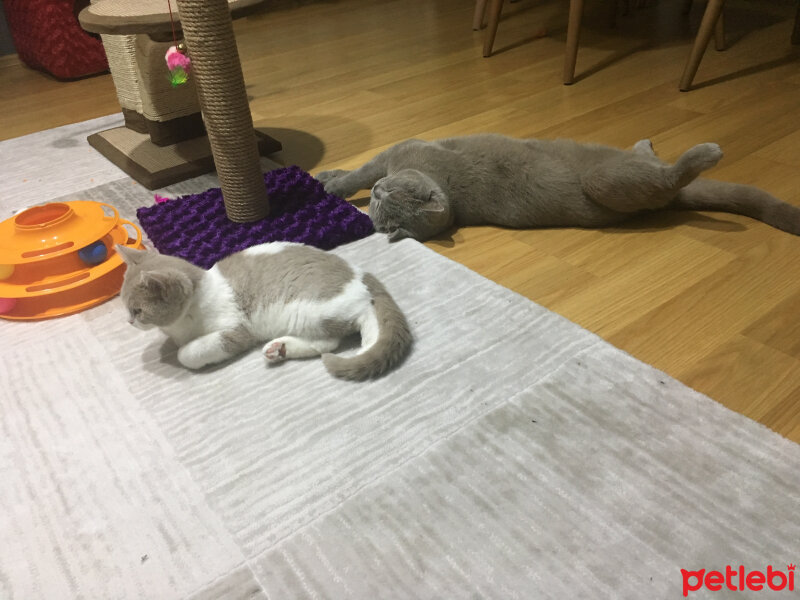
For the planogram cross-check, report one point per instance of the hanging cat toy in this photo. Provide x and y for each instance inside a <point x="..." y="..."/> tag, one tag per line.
<point x="178" y="61"/>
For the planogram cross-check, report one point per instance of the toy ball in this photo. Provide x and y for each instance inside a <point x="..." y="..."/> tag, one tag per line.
<point x="93" y="254"/>
<point x="7" y="305"/>
<point x="6" y="271"/>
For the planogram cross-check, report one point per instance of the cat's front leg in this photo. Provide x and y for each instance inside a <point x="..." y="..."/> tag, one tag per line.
<point x="346" y="183"/>
<point x="214" y="348"/>
<point x="325" y="176"/>
<point x="288" y="346"/>
<point x="350" y="182"/>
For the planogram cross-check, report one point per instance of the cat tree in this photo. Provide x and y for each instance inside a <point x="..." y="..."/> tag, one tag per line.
<point x="164" y="137"/>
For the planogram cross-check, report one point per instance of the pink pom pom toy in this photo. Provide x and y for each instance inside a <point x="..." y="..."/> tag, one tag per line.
<point x="179" y="64"/>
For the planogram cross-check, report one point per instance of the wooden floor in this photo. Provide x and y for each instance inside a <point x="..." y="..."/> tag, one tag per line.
<point x="712" y="299"/>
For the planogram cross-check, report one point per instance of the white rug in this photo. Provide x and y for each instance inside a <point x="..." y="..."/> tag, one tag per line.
<point x="514" y="455"/>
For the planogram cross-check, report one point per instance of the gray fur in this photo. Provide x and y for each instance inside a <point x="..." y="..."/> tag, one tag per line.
<point x="394" y="340"/>
<point x="156" y="287"/>
<point x="283" y="298"/>
<point x="305" y="273"/>
<point x="338" y="329"/>
<point x="237" y="340"/>
<point x="419" y="189"/>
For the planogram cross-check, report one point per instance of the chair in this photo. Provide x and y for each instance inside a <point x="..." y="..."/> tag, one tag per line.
<point x="574" y="26"/>
<point x="796" y="30"/>
<point x="573" y="29"/>
<point x="712" y="17"/>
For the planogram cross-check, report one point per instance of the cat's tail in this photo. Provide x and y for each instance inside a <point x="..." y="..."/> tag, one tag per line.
<point x="386" y="338"/>
<point x="707" y="194"/>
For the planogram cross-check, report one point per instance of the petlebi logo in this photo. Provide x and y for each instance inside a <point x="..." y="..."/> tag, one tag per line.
<point x="739" y="579"/>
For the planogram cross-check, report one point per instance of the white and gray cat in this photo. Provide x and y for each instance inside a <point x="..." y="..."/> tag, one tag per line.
<point x="420" y="189"/>
<point x="298" y="299"/>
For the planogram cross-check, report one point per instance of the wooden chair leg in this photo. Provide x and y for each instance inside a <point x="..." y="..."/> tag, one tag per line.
<point x="480" y="13"/>
<point x="573" y="34"/>
<point x="719" y="33"/>
<point x="710" y="17"/>
<point x="613" y="11"/>
<point x="719" y="30"/>
<point x="796" y="31"/>
<point x="495" y="9"/>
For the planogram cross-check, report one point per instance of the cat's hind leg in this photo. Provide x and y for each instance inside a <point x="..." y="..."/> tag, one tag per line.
<point x="635" y="181"/>
<point x="288" y="346"/>
<point x="693" y="162"/>
<point x="215" y="347"/>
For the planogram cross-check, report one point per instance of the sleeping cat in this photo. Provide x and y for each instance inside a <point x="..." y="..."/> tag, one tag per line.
<point x="420" y="188"/>
<point x="300" y="300"/>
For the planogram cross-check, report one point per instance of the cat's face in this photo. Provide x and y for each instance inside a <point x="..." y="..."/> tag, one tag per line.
<point x="155" y="292"/>
<point x="409" y="204"/>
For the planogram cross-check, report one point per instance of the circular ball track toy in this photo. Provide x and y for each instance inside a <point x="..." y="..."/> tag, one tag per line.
<point x="59" y="258"/>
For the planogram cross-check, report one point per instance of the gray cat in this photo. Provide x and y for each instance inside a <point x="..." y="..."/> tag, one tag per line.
<point x="420" y="189"/>
<point x="300" y="300"/>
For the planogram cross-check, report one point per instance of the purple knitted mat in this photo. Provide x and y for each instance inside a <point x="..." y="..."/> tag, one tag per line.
<point x="196" y="228"/>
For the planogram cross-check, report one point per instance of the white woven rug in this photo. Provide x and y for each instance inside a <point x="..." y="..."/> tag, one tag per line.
<point x="514" y="455"/>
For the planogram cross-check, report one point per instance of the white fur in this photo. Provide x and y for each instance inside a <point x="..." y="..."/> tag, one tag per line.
<point x="369" y="328"/>
<point x="290" y="346"/>
<point x="299" y="323"/>
<point x="303" y="317"/>
<point x="212" y="308"/>
<point x="204" y="350"/>
<point x="268" y="248"/>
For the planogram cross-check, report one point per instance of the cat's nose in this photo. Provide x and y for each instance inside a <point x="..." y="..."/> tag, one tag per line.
<point x="377" y="192"/>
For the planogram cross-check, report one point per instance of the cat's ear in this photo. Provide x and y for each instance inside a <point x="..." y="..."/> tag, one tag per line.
<point x="170" y="286"/>
<point x="398" y="234"/>
<point x="433" y="204"/>
<point x="155" y="282"/>
<point x="131" y="256"/>
<point x="433" y="207"/>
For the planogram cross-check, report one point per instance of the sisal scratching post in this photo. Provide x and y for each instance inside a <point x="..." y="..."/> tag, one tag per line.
<point x="208" y="31"/>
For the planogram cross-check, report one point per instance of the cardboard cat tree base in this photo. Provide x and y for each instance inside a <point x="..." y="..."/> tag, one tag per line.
<point x="159" y="166"/>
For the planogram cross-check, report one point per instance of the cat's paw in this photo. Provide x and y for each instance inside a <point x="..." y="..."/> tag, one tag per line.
<point x="334" y="183"/>
<point x="191" y="359"/>
<point x="704" y="156"/>
<point x="338" y="187"/>
<point x="326" y="176"/>
<point x="644" y="147"/>
<point x="274" y="351"/>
